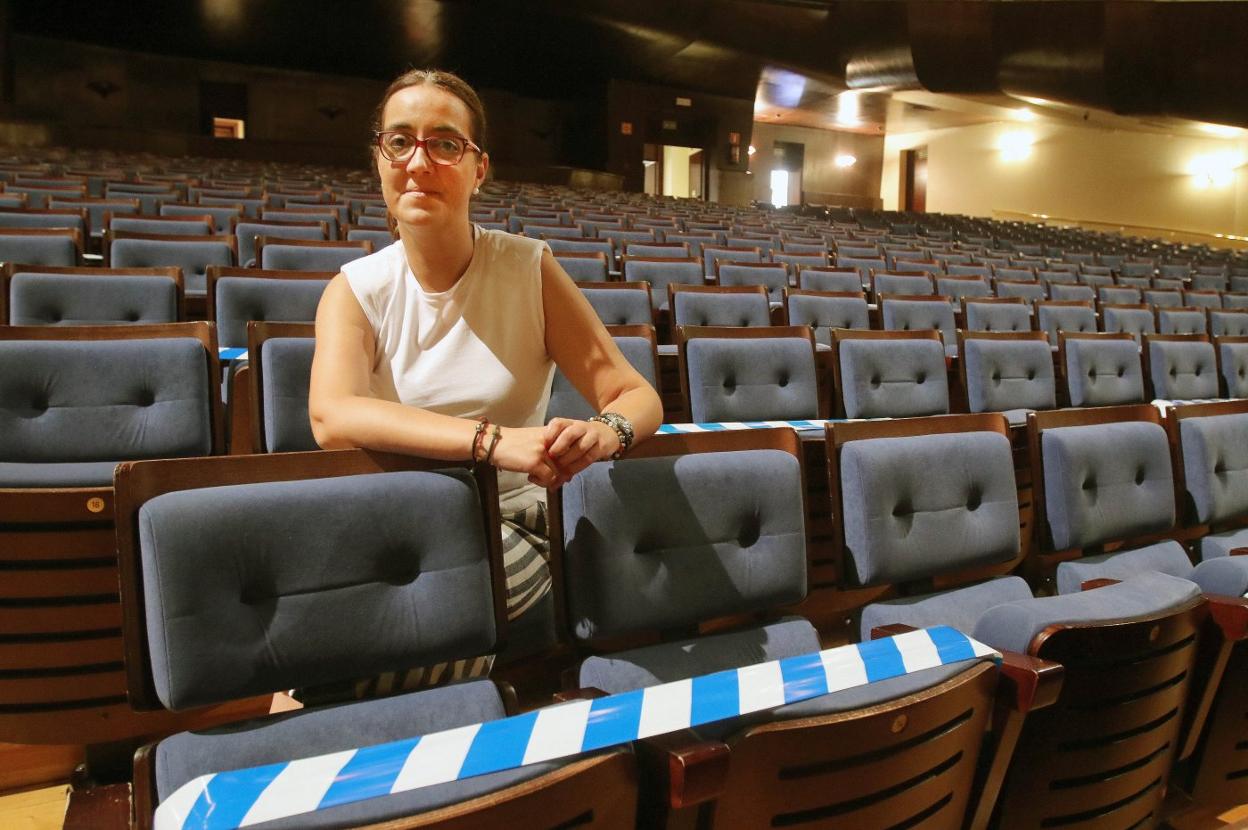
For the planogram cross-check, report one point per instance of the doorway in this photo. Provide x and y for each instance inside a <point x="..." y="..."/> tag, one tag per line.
<point x="788" y="160"/>
<point x="914" y="179"/>
<point x="674" y="170"/>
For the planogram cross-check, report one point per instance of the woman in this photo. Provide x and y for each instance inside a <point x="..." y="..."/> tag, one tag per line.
<point x="444" y="344"/>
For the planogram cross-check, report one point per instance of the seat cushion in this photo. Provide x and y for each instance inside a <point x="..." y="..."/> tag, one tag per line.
<point x="893" y="378"/>
<point x="67" y="300"/>
<point x="1215" y="465"/>
<point x="184" y="757"/>
<point x="1164" y="557"/>
<point x="960" y="608"/>
<point x="1226" y="575"/>
<point x="1216" y="545"/>
<point x="242" y="299"/>
<point x="1183" y="371"/>
<point x="1013" y="625"/>
<point x="1009" y="374"/>
<point x="1103" y="372"/>
<point x="771" y="378"/>
<point x="898" y="526"/>
<point x="287" y="372"/>
<point x="65" y="474"/>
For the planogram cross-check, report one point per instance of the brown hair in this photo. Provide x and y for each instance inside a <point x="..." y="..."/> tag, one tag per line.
<point x="449" y="81"/>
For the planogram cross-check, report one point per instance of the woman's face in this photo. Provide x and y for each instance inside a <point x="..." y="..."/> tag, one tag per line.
<point x="418" y="191"/>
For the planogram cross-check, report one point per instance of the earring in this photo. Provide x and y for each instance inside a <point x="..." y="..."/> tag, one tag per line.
<point x="476" y="191"/>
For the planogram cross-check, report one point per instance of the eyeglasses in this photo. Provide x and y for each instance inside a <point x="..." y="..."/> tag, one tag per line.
<point x="400" y="146"/>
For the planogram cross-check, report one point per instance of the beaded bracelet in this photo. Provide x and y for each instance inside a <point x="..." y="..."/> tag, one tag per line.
<point x="477" y="434"/>
<point x="494" y="436"/>
<point x="622" y="427"/>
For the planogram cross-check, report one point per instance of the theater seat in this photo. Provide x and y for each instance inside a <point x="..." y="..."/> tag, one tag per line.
<point x="891" y="374"/>
<point x="748" y="374"/>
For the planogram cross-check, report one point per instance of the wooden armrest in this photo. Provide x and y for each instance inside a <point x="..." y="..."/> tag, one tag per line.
<point x="1093" y="584"/>
<point x="587" y="693"/>
<point x="1230" y="614"/>
<point x="695" y="769"/>
<point x="890" y="630"/>
<point x="511" y="701"/>
<point x="1239" y="551"/>
<point x="1033" y="683"/>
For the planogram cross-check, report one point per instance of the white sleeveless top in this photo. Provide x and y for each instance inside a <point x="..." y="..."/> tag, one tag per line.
<point x="476" y="349"/>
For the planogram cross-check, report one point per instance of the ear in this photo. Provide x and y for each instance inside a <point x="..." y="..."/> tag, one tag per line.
<point x="483" y="166"/>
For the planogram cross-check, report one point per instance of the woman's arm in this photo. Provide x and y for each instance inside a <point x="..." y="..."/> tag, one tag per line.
<point x="585" y="352"/>
<point x="345" y="415"/>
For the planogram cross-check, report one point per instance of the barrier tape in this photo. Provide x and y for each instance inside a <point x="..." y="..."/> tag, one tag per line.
<point x="230" y="800"/>
<point x="676" y="429"/>
<point x="227" y="353"/>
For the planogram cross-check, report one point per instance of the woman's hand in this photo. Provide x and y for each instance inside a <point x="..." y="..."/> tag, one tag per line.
<point x="574" y="445"/>
<point x="523" y="450"/>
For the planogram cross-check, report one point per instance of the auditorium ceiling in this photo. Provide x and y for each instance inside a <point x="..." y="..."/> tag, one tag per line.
<point x="908" y="66"/>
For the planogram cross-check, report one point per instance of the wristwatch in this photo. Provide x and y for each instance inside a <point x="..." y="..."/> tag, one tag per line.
<point x="623" y="430"/>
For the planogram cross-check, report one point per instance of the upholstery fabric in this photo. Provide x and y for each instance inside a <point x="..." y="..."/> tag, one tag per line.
<point x="1013" y="625"/>
<point x="1052" y="319"/>
<point x="192" y="257"/>
<point x="1016" y="275"/>
<point x="697" y="308"/>
<point x="253" y="588"/>
<point x="139" y="224"/>
<point x="1215" y="465"/>
<point x="919" y="315"/>
<point x="1195" y="300"/>
<point x="240" y="300"/>
<point x="901" y="523"/>
<point x="86" y="401"/>
<point x="246" y="233"/>
<point x="287" y="373"/>
<point x="1163" y="557"/>
<point x="957" y="289"/>
<point x="1223" y="575"/>
<point x="1183" y="371"/>
<point x="54" y="474"/>
<point x="16" y="219"/>
<point x="1106" y="481"/>
<point x="1009" y="374"/>
<point x="997" y="317"/>
<point x="1235" y="302"/>
<point x="1135" y="321"/>
<point x="1103" y="372"/>
<point x="1031" y="292"/>
<point x="1122" y="295"/>
<point x="1180" y="321"/>
<point x="583" y="270"/>
<point x="221" y="216"/>
<point x="909" y="285"/>
<point x="960" y="608"/>
<point x="893" y="378"/>
<point x="185" y="756"/>
<point x="620" y="307"/>
<point x="826" y="313"/>
<point x="776" y="279"/>
<point x="751" y="380"/>
<point x="1058" y="291"/>
<point x="1234" y="357"/>
<point x="830" y="281"/>
<point x="962" y="270"/>
<point x="665" y="542"/>
<point x="1234" y="323"/>
<point x="566" y="402"/>
<point x="68" y="300"/>
<point x="1215" y="545"/>
<point x="38" y="250"/>
<point x="297" y="258"/>
<point x="660" y="275"/>
<point x="1163" y="299"/>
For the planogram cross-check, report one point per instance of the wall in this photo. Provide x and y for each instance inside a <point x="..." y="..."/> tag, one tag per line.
<point x="1099" y="175"/>
<point x="822" y="181"/>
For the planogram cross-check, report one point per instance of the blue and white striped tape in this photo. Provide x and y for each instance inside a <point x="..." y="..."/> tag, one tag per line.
<point x="229" y="800"/>
<point x="227" y="353"/>
<point x="727" y="426"/>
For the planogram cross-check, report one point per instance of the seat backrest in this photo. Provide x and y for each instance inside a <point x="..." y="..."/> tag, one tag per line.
<point x="864" y="265"/>
<point x="1062" y="291"/>
<point x="699" y="305"/>
<point x="675" y="504"/>
<point x="753" y="374"/>
<point x="41" y="246"/>
<point x="1097" y="281"/>
<point x="1030" y="291"/>
<point x="912" y="314"/>
<point x="1135" y="320"/>
<point x="900" y="523"/>
<point x="956" y="269"/>
<point x="171" y="226"/>
<point x="1209" y="282"/>
<point x="1056" y="317"/>
<point x="1181" y="367"/>
<point x="829" y="279"/>
<point x="1088" y="468"/>
<point x="329" y="217"/>
<point x="990" y="315"/>
<point x="46" y="296"/>
<point x="193" y="254"/>
<point x="1182" y="320"/>
<point x="1142" y="283"/>
<point x="1118" y="294"/>
<point x="1101" y="369"/>
<point x="774" y="276"/>
<point x="1202" y="299"/>
<point x="1232" y="301"/>
<point x="1214" y="449"/>
<point x="60" y="218"/>
<point x="1163" y="298"/>
<point x="1002" y="372"/>
<point x="304" y="544"/>
<point x="1014" y="274"/>
<point x="636" y="343"/>
<point x="84" y="395"/>
<point x="1059" y="277"/>
<point x="1234" y="323"/>
<point x="587" y="266"/>
<point x="958" y="287"/>
<point x="918" y="285"/>
<point x="277" y="254"/>
<point x="1233" y="365"/>
<point x="242" y="295"/>
<point x="890" y="374"/>
<point x="247" y="232"/>
<point x="1137" y="269"/>
<point x="661" y="272"/>
<point x="620" y="304"/>
<point x="280" y="373"/>
<point x="380" y="236"/>
<point x="827" y="310"/>
<point x="223" y="216"/>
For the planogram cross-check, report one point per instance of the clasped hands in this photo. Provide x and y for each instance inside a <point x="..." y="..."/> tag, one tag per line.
<point x="553" y="454"/>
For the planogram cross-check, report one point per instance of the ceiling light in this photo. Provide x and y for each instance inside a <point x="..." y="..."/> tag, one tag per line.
<point x="845" y="160"/>
<point x="1016" y="145"/>
<point x="848" y="109"/>
<point x="1220" y="130"/>
<point x="1024" y="114"/>
<point x="1215" y="169"/>
<point x="752" y="150"/>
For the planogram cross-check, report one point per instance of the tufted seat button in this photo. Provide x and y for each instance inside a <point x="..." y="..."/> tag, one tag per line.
<point x="1139" y="476"/>
<point x="921" y="378"/>
<point x="1031" y="374"/>
<point x="1122" y="370"/>
<point x="784" y="380"/>
<point x="1089" y="483"/>
<point x="132" y="317"/>
<point x="902" y="508"/>
<point x="996" y="377"/>
<point x="730" y="384"/>
<point x="1197" y="371"/>
<point x="1173" y="371"/>
<point x="146" y="398"/>
<point x="1219" y="467"/>
<point x="974" y="499"/>
<point x="875" y="380"/>
<point x="1092" y="374"/>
